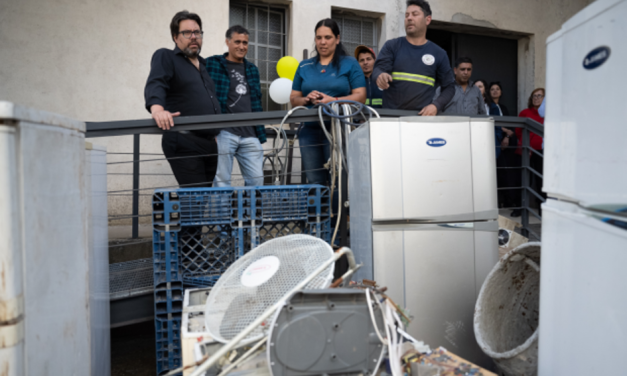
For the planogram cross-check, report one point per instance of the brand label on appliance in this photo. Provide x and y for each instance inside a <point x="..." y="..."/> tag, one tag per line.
<point x="436" y="142"/>
<point x="260" y="271"/>
<point x="596" y="57"/>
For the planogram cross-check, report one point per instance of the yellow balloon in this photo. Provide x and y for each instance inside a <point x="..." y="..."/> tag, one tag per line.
<point x="286" y="67"/>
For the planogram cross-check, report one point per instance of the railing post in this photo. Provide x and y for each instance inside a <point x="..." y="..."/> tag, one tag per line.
<point x="290" y="157"/>
<point x="135" y="226"/>
<point x="525" y="181"/>
<point x="344" y="217"/>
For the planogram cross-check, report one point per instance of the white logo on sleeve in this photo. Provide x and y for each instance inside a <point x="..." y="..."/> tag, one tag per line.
<point x="428" y="59"/>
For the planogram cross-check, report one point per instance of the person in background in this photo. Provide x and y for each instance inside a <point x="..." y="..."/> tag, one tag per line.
<point x="533" y="104"/>
<point x="366" y="57"/>
<point x="502" y="135"/>
<point x="506" y="156"/>
<point x="329" y="76"/>
<point x="481" y="84"/>
<point x="179" y="85"/>
<point x="535" y="141"/>
<point x="468" y="99"/>
<point x="238" y="90"/>
<point x="409" y="67"/>
<point x="495" y="92"/>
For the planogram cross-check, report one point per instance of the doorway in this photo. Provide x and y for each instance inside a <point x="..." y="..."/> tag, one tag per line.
<point x="494" y="59"/>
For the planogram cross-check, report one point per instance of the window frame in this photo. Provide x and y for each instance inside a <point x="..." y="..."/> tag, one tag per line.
<point x="267" y="64"/>
<point x="342" y="15"/>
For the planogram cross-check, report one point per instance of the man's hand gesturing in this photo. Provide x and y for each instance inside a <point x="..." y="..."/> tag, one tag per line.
<point x="163" y="118"/>
<point x="383" y="81"/>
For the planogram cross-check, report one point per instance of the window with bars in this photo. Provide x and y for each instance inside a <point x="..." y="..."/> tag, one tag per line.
<point x="266" y="45"/>
<point x="356" y="30"/>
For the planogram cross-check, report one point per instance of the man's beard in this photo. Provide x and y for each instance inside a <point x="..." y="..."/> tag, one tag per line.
<point x="416" y="33"/>
<point x="190" y="53"/>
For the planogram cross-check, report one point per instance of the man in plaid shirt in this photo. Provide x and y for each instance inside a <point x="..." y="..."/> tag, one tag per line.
<point x="238" y="90"/>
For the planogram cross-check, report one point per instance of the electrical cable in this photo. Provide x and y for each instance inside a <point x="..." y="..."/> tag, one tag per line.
<point x="374" y="321"/>
<point x="338" y="132"/>
<point x="275" y="152"/>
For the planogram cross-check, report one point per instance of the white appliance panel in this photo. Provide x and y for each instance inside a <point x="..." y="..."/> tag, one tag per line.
<point x="586" y="109"/>
<point x="436" y="271"/>
<point x="440" y="288"/>
<point x="389" y="261"/>
<point x="486" y="254"/>
<point x="484" y="191"/>
<point x="443" y="173"/>
<point x="583" y="310"/>
<point x="385" y="154"/>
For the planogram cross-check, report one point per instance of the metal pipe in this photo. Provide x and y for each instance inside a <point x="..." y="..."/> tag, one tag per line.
<point x="190" y="123"/>
<point x="525" y="182"/>
<point x="135" y="226"/>
<point x="11" y="293"/>
<point x="264" y="316"/>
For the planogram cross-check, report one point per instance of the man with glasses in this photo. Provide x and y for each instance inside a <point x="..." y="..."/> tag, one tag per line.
<point x="179" y="85"/>
<point x="238" y="90"/>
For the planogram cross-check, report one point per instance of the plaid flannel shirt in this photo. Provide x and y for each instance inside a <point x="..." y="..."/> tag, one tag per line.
<point x="216" y="66"/>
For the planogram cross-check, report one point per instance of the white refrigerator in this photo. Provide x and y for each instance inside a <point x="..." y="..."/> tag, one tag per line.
<point x="423" y="219"/>
<point x="583" y="285"/>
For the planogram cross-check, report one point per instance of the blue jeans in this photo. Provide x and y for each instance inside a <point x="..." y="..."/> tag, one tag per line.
<point x="315" y="151"/>
<point x="249" y="154"/>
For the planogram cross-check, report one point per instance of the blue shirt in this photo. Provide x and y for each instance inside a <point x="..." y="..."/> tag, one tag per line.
<point x="334" y="82"/>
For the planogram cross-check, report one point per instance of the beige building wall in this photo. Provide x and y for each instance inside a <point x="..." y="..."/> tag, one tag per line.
<point x="89" y="59"/>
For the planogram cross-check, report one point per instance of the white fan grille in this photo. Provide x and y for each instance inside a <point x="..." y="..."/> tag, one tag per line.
<point x="231" y="306"/>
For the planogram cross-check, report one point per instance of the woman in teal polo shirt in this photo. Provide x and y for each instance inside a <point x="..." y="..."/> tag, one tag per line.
<point x="328" y="76"/>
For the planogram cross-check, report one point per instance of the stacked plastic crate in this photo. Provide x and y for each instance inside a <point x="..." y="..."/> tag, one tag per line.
<point x="198" y="233"/>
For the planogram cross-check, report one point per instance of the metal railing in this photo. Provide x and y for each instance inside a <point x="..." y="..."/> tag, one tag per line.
<point x="133" y="302"/>
<point x="529" y="175"/>
<point x="148" y="126"/>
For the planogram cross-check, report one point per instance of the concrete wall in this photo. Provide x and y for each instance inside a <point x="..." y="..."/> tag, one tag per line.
<point x="89" y="59"/>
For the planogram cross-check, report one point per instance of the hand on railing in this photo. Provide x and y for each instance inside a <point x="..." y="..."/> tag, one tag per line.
<point x="164" y="119"/>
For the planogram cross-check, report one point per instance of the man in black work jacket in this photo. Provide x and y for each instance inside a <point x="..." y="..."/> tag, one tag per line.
<point x="365" y="57"/>
<point x="179" y="85"/>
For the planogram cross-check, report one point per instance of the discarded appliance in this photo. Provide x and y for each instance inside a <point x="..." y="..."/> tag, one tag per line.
<point x="507" y="311"/>
<point x="583" y="322"/>
<point x="424" y="219"/>
<point x="325" y="332"/>
<point x="241" y="304"/>
<point x="55" y="311"/>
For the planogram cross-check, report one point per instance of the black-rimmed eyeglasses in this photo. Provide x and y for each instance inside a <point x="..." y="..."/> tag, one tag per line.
<point x="188" y="33"/>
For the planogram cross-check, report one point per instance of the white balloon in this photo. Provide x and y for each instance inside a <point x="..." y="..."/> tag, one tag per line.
<point x="280" y="90"/>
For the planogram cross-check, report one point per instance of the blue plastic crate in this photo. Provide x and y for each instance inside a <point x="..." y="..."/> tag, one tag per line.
<point x="168" y="343"/>
<point x="199" y="232"/>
